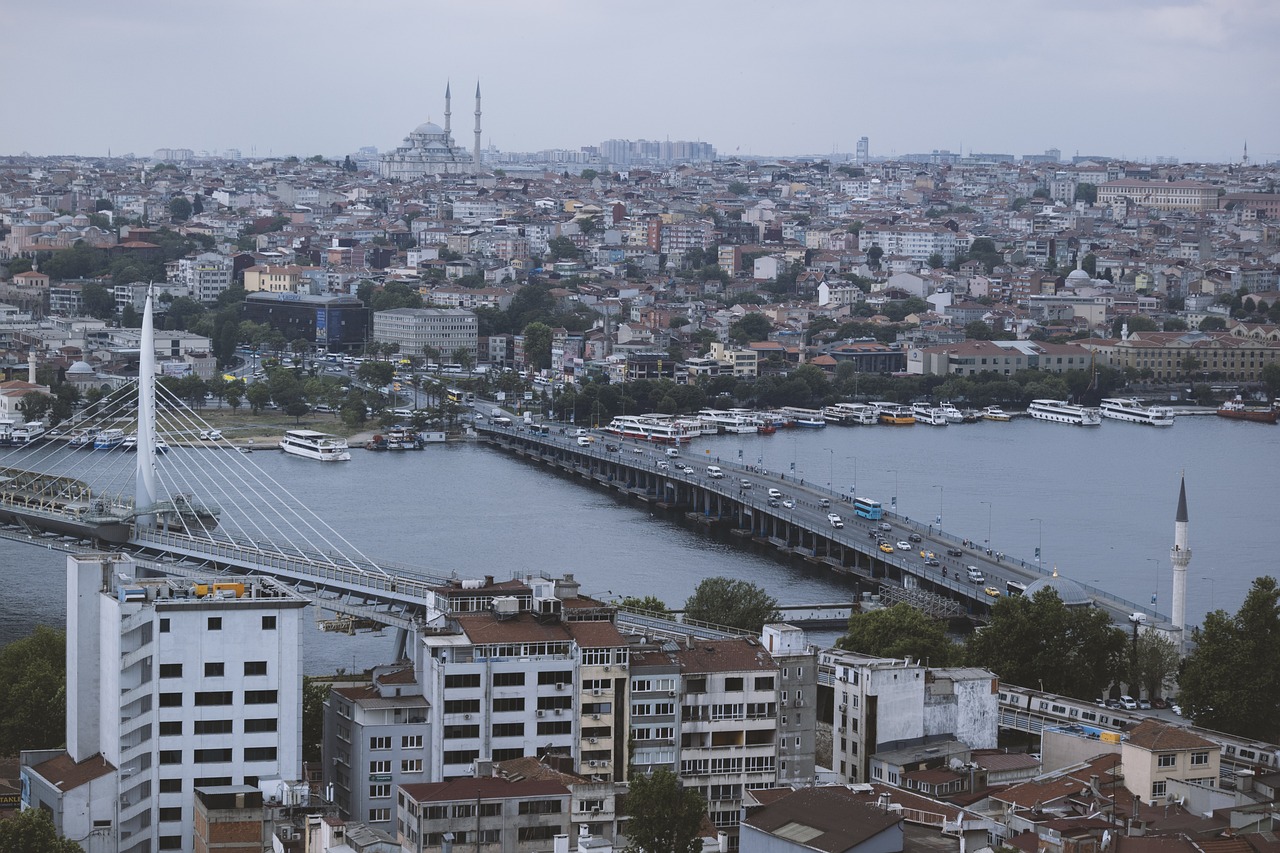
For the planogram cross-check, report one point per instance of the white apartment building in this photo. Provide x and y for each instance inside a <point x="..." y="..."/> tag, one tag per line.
<point x="887" y="702"/>
<point x="916" y="242"/>
<point x="443" y="329"/>
<point x="205" y="276"/>
<point x="172" y="685"/>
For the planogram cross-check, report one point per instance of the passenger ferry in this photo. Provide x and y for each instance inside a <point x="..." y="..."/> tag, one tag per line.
<point x="926" y="414"/>
<point x="315" y="445"/>
<point x="858" y="413"/>
<point x="28" y="433"/>
<point x="80" y="438"/>
<point x="657" y="428"/>
<point x="1062" y="412"/>
<point x="894" y="414"/>
<point x="951" y="413"/>
<point x="807" y="418"/>
<point x="995" y="413"/>
<point x="728" y="422"/>
<point x="108" y="439"/>
<point x="1128" y="409"/>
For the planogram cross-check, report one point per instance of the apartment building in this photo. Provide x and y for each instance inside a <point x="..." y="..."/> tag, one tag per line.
<point x="504" y="816"/>
<point x="742" y="362"/>
<point x="172" y="686"/>
<point x="268" y="278"/>
<point x="205" y="276"/>
<point x="1230" y="355"/>
<point x="1154" y="754"/>
<point x="915" y="242"/>
<point x="1162" y="195"/>
<point x="446" y="330"/>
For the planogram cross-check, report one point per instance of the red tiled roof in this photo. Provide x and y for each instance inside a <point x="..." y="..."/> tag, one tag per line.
<point x="1155" y="736"/>
<point x="68" y="775"/>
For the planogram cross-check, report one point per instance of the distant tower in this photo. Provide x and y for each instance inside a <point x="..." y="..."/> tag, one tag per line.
<point x="1180" y="555"/>
<point x="1245" y="161"/>
<point x="863" y="152"/>
<point x="448" y="138"/>
<point x="31" y="366"/>
<point x="477" y="150"/>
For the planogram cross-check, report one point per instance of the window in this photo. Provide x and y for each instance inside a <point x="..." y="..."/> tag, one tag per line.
<point x="507" y="705"/>
<point x="507" y="754"/>
<point x="255" y="667"/>
<point x="380" y="766"/>
<point x="556" y="728"/>
<point x="378" y="792"/>
<point x="555" y="677"/>
<point x="170" y="756"/>
<point x="379" y="815"/>
<point x="411" y="742"/>
<point x="164" y="625"/>
<point x="462" y="706"/>
<point x="170" y="670"/>
<point x="208" y="756"/>
<point x="491" y="810"/>
<point x="259" y="697"/>
<point x="696" y="685"/>
<point x="508" y="679"/>
<point x="213" y="697"/>
<point x="215" y="623"/>
<point x="171" y="700"/>
<point x="213" y="727"/>
<point x="764" y="683"/>
<point x="170" y="727"/>
<point x="170" y="842"/>
<point x="379" y="743"/>
<point x="259" y="753"/>
<point x="539" y="807"/>
<point x="411" y="765"/>
<point x="508" y="730"/>
<point x="1199" y="759"/>
<point x="461" y="756"/>
<point x="171" y="814"/>
<point x="457" y="732"/>
<point x="1158" y="789"/>
<point x="452" y="682"/>
<point x="268" y="724"/>
<point x="1167" y="761"/>
<point x="171" y="786"/>
<point x="733" y="685"/>
<point x="214" y="670"/>
<point x="268" y="623"/>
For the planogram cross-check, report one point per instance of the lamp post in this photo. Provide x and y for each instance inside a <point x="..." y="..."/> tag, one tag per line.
<point x="1211" y="588"/>
<point x="1155" y="590"/>
<point x="1039" y="541"/>
<point x="853" y="489"/>
<point x="987" y="541"/>
<point x="893" y="501"/>
<point x="940" y="494"/>
<point x="831" y="467"/>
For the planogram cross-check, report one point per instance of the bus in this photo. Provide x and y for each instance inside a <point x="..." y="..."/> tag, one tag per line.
<point x="867" y="508"/>
<point x="1015" y="588"/>
<point x="456" y="396"/>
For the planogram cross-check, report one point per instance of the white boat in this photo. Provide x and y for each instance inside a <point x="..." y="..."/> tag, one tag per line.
<point x="80" y="438"/>
<point x="108" y="439"/>
<point x="1129" y="409"/>
<point x="28" y="433"/>
<point x="130" y="442"/>
<point x="851" y="413"/>
<point x="926" y="414"/>
<point x="894" y="414"/>
<point x="728" y="422"/>
<point x="995" y="413"/>
<point x="1062" y="412"/>
<point x="951" y="413"/>
<point x="808" y="418"/>
<point x="315" y="445"/>
<point x="662" y="429"/>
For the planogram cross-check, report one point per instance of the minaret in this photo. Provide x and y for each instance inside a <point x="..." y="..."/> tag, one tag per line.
<point x="1180" y="555"/>
<point x="31" y="366"/>
<point x="476" y="161"/>
<point x="448" y="136"/>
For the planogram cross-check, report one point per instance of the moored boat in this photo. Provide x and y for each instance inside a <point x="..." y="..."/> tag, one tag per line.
<point x="1129" y="409"/>
<point x="995" y="413"/>
<point x="310" y="444"/>
<point x="1062" y="412"/>
<point x="894" y="414"/>
<point x="661" y="429"/>
<point x="951" y="413"/>
<point x="108" y="439"/>
<point x="28" y="433"/>
<point x="926" y="414"/>
<point x="1236" y="410"/>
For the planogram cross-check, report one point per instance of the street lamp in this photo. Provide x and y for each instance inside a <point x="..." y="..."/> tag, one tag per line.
<point x="1039" y="541"/>
<point x="987" y="541"/>
<point x="1155" y="591"/>
<point x="831" y="467"/>
<point x="1211" y="586"/>
<point x="893" y="501"/>
<point x="853" y="489"/>
<point x="940" y="493"/>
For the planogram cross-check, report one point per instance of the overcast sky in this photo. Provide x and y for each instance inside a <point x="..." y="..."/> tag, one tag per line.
<point x="1194" y="79"/>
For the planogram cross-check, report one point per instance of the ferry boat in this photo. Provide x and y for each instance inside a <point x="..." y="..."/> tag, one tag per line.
<point x="856" y="413"/>
<point x="926" y="414"/>
<point x="108" y="439"/>
<point x="661" y="429"/>
<point x="28" y="433"/>
<point x="80" y="438"/>
<point x="806" y="418"/>
<point x="894" y="414"/>
<point x="995" y="413"/>
<point x="727" y="422"/>
<point x="1129" y="409"/>
<point x="315" y="445"/>
<point x="1062" y="412"/>
<point x="1238" y="411"/>
<point x="951" y="413"/>
<point x="6" y="432"/>
<point x="400" y="438"/>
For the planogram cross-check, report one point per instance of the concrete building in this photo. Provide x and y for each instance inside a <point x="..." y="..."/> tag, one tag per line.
<point x="501" y="815"/>
<point x="333" y="322"/>
<point x="969" y="358"/>
<point x="829" y="819"/>
<point x="741" y="362"/>
<point x="171" y="686"/>
<point x="443" y="329"/>
<point x="1155" y="753"/>
<point x="1162" y="195"/>
<point x="266" y="278"/>
<point x="206" y="276"/>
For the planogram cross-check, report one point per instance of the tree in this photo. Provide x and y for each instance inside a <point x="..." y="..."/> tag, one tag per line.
<point x="750" y="327"/>
<point x="33" y="675"/>
<point x="462" y="356"/>
<point x="589" y="174"/>
<point x="1075" y="651"/>
<point x="874" y="254"/>
<point x="537" y="345"/>
<point x="733" y="603"/>
<point x="314" y="692"/>
<point x="1089" y="263"/>
<point x="1086" y="192"/>
<point x="561" y="248"/>
<point x="197" y="204"/>
<point x="376" y="373"/>
<point x="665" y="817"/>
<point x="738" y="188"/>
<point x="98" y="301"/>
<point x="32" y="831"/>
<point x="977" y="330"/>
<point x="1231" y="681"/>
<point x="1212" y="324"/>
<point x="900" y="631"/>
<point x="1270" y="377"/>
<point x="258" y="395"/>
<point x="1153" y="660"/>
<point x="179" y="208"/>
<point x="648" y="603"/>
<point x="935" y="260"/>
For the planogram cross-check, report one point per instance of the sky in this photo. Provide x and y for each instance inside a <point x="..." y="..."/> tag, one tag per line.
<point x="1192" y="79"/>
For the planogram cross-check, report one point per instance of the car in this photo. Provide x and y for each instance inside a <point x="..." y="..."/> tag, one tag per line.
<point x="835" y="519"/>
<point x="915" y="537"/>
<point x="789" y="503"/>
<point x="1115" y="704"/>
<point x="744" y="483"/>
<point x="1144" y="704"/>
<point x="1129" y="703"/>
<point x="671" y="451"/>
<point x="871" y="534"/>
<point x="611" y="448"/>
<point x="774" y="493"/>
<point x="884" y="525"/>
<point x="954" y="552"/>
<point x="1159" y="703"/>
<point x="992" y="592"/>
<point x="1175" y="708"/>
<point x="975" y="574"/>
<point x="774" y="502"/>
<point x="886" y="547"/>
<point x="904" y="546"/>
<point x="663" y="466"/>
<point x="932" y="561"/>
<point x="824" y="502"/>
<point x="688" y="469"/>
<point x="210" y="434"/>
<point x="637" y="450"/>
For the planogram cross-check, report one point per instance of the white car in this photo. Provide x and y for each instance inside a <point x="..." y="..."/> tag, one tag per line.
<point x="884" y="525"/>
<point x="835" y="519"/>
<point x="663" y="466"/>
<point x="904" y="546"/>
<point x="789" y="504"/>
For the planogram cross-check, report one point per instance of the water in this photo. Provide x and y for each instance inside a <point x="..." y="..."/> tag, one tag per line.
<point x="1106" y="497"/>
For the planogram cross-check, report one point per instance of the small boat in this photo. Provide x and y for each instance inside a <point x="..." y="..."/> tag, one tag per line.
<point x="767" y="429"/>
<point x="926" y="414"/>
<point x="80" y="438"/>
<point x="130" y="442"/>
<point x="108" y="439"/>
<point x="28" y="433"/>
<point x="1236" y="410"/>
<point x="995" y="413"/>
<point x="951" y="413"/>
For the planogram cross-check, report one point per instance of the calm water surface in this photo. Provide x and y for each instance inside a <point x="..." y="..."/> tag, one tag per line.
<point x="1105" y="496"/>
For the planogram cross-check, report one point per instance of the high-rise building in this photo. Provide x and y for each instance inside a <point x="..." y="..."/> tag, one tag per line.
<point x="863" y="155"/>
<point x="172" y="687"/>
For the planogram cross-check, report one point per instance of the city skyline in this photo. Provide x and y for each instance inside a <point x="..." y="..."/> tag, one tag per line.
<point x="1143" y="80"/>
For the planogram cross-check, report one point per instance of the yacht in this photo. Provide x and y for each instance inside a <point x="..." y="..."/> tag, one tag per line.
<point x="808" y="418"/>
<point x="315" y="445"/>
<point x="80" y="438"/>
<point x="951" y="413"/>
<point x="657" y="428"/>
<point x="1062" y="412"/>
<point x="108" y="439"/>
<point x="728" y="422"/>
<point x="28" y="433"/>
<point x="926" y="414"/>
<point x="995" y="413"/>
<point x="854" y="413"/>
<point x="1123" y="409"/>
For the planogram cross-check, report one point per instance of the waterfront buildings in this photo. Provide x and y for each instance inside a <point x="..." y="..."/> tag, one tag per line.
<point x="444" y="330"/>
<point x="172" y="687"/>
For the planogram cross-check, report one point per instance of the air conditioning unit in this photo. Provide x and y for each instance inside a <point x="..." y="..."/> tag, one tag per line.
<point x="595" y="810"/>
<point x="466" y="716"/>
<point x="593" y="763"/>
<point x="541" y="713"/>
<point x="559" y="711"/>
<point x="593" y="740"/>
<point x="607" y="668"/>
<point x="596" y="692"/>
<point x="799" y="702"/>
<point x="559" y="685"/>
<point x="671" y="693"/>
<point x="844" y="707"/>
<point x="595" y="716"/>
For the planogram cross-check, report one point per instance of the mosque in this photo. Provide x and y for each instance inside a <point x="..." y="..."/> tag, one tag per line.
<point x="429" y="150"/>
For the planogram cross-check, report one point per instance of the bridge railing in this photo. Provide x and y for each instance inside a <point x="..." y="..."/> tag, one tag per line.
<point x="351" y="578"/>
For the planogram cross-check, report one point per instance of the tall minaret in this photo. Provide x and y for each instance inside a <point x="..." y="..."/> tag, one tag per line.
<point x="476" y="162"/>
<point x="1180" y="555"/>
<point x="448" y="136"/>
<point x="31" y="366"/>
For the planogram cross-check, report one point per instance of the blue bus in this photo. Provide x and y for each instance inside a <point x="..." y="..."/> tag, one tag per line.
<point x="867" y="508"/>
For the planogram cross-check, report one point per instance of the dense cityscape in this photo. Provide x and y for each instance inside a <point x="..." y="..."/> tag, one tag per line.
<point x="371" y="290"/>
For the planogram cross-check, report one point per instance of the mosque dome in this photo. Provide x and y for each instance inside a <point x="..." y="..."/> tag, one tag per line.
<point x="80" y="221"/>
<point x="429" y="128"/>
<point x="1078" y="276"/>
<point x="81" y="368"/>
<point x="1071" y="593"/>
